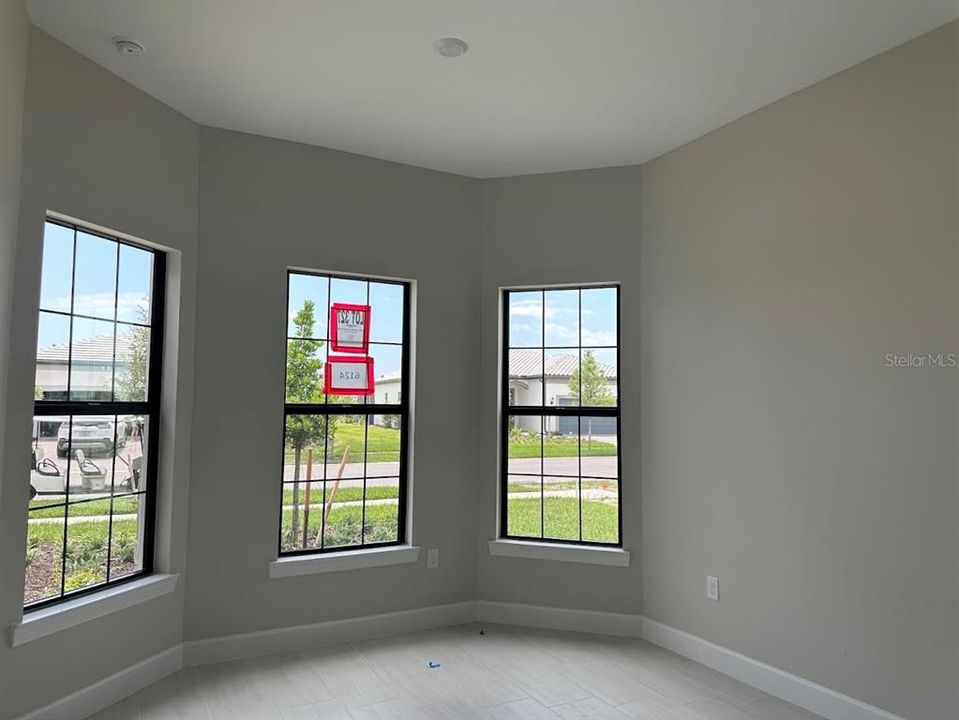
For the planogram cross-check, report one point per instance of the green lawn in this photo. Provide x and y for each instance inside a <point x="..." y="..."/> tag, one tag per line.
<point x="383" y="445"/>
<point x="344" y="526"/>
<point x="527" y="445"/>
<point x="561" y="519"/>
<point x="121" y="506"/>
<point x="343" y="494"/>
<point x="571" y="485"/>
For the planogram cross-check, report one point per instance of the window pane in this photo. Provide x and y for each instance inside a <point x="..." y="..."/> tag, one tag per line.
<point x="49" y="469"/>
<point x="562" y="318"/>
<point x="598" y="447"/>
<point x="95" y="277"/>
<point x="308" y="289"/>
<point x="132" y="369"/>
<point x="387" y="373"/>
<point x="135" y="289"/>
<point x="91" y="360"/>
<point x="86" y="553"/>
<point x="383" y="439"/>
<point x="353" y="292"/>
<point x="525" y="449"/>
<point x="526" y="377"/>
<point x="561" y="372"/>
<point x="347" y="455"/>
<point x="53" y="352"/>
<point x="386" y="312"/>
<point x="57" y="278"/>
<point x="524" y="512"/>
<point x="561" y="446"/>
<point x="599" y="317"/>
<point x="382" y="510"/>
<point x="525" y="319"/>
<point x="305" y="447"/>
<point x="127" y="535"/>
<point x="344" y="516"/>
<point x="600" y="510"/>
<point x="560" y="508"/>
<point x="44" y="557"/>
<point x="305" y="360"/>
<point x="303" y="505"/>
<point x="595" y="384"/>
<point x="130" y="473"/>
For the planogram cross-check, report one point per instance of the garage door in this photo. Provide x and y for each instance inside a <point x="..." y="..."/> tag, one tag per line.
<point x="570" y="425"/>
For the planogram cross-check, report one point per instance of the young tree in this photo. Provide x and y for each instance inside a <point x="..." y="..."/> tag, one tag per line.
<point x="132" y="386"/>
<point x="304" y="384"/>
<point x="588" y="385"/>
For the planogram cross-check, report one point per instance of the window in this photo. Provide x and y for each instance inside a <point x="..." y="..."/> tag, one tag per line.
<point x="560" y="429"/>
<point x="344" y="478"/>
<point x="97" y="395"/>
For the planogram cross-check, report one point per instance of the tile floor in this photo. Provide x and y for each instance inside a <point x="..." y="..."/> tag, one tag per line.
<point x="508" y="673"/>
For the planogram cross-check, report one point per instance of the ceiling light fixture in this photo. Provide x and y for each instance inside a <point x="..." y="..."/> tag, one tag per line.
<point x="450" y="47"/>
<point x="128" y="47"/>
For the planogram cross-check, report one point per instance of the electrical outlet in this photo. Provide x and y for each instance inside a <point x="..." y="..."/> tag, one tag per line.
<point x="712" y="588"/>
<point x="432" y="558"/>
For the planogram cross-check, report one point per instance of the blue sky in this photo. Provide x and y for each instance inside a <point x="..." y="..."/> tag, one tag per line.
<point x="386" y="312"/>
<point x="554" y="316"/>
<point x="96" y="290"/>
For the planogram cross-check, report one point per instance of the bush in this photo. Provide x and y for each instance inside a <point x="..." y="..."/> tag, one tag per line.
<point x="81" y="579"/>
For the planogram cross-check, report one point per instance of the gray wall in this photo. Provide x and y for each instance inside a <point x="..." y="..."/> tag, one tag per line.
<point x="783" y="256"/>
<point x="99" y="150"/>
<point x="13" y="67"/>
<point x="575" y="227"/>
<point x="267" y="205"/>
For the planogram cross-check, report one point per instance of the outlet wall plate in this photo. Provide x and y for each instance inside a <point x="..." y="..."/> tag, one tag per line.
<point x="432" y="558"/>
<point x="712" y="588"/>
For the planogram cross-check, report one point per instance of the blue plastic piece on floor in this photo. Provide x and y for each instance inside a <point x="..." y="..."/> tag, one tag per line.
<point x="433" y="664"/>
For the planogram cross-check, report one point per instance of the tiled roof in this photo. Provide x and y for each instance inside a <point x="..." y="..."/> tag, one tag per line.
<point x="98" y="349"/>
<point x="526" y="363"/>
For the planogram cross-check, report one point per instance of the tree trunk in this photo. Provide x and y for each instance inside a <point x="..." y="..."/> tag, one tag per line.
<point x="294" y="523"/>
<point x="306" y="500"/>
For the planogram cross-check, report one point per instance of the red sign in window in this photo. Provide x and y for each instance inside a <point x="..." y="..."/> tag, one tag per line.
<point x="350" y="328"/>
<point x="348" y="376"/>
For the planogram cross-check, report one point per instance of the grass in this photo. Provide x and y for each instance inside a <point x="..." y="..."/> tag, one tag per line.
<point x="561" y="519"/>
<point x="344" y="526"/>
<point x="383" y="445"/>
<point x="86" y="551"/>
<point x="121" y="506"/>
<point x="527" y="445"/>
<point x="571" y="485"/>
<point x="343" y="494"/>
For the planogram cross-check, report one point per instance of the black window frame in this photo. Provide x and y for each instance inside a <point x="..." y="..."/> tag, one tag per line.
<point x="150" y="408"/>
<point x="400" y="409"/>
<point x="545" y="411"/>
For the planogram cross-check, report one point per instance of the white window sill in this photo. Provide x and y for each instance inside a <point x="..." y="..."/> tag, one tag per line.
<point x="348" y="560"/>
<point x="531" y="550"/>
<point x="46" y="621"/>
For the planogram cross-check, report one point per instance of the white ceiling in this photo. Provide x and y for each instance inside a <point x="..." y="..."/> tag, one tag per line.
<point x="546" y="85"/>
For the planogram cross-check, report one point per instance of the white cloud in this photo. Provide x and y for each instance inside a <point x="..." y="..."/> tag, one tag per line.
<point x="101" y="304"/>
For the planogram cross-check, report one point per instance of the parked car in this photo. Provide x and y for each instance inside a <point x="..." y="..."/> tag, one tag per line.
<point x="91" y="435"/>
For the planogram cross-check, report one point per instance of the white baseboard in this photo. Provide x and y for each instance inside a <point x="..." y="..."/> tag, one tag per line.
<point x="301" y="637"/>
<point x="553" y="618"/>
<point x="112" y="689"/>
<point x="792" y="688"/>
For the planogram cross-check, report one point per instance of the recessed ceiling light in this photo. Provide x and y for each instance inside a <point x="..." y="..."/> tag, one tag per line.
<point x="128" y="47"/>
<point x="450" y="47"/>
